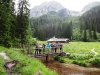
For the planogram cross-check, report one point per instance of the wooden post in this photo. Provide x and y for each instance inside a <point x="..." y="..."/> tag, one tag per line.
<point x="47" y="57"/>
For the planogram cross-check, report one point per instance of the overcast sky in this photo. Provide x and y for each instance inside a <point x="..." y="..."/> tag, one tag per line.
<point x="75" y="5"/>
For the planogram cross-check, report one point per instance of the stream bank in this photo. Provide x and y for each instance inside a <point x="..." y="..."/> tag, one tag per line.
<point x="69" y="69"/>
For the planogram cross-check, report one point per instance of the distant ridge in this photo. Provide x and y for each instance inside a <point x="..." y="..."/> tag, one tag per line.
<point x="53" y="6"/>
<point x="44" y="8"/>
<point x="90" y="6"/>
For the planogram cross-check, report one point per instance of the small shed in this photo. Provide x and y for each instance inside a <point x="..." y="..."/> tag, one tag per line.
<point x="62" y="40"/>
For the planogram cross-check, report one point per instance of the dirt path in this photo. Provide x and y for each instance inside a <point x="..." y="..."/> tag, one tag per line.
<point x="6" y="58"/>
<point x="70" y="69"/>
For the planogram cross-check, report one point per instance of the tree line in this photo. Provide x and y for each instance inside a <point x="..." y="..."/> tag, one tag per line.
<point x="81" y="28"/>
<point x="14" y="23"/>
<point x="17" y="29"/>
<point x="50" y="25"/>
<point x="90" y="24"/>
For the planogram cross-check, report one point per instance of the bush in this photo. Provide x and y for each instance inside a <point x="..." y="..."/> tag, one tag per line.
<point x="57" y="58"/>
<point x="81" y="56"/>
<point x="62" y="60"/>
<point x="81" y="63"/>
<point x="95" y="60"/>
<point x="34" y="41"/>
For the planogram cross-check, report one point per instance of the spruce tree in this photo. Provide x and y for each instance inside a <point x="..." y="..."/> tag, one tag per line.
<point x="5" y="22"/>
<point x="22" y="27"/>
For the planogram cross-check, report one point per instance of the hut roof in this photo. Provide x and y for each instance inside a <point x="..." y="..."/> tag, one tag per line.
<point x="58" y="39"/>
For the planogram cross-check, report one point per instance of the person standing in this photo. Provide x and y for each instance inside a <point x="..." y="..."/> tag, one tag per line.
<point x="43" y="48"/>
<point x="48" y="46"/>
<point x="60" y="47"/>
<point x="36" y="49"/>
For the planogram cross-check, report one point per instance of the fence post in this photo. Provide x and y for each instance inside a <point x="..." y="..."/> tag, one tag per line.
<point x="47" y="57"/>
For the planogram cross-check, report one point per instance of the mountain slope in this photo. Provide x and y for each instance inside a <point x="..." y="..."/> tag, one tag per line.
<point x="45" y="7"/>
<point x="75" y="13"/>
<point x="63" y="13"/>
<point x="90" y="6"/>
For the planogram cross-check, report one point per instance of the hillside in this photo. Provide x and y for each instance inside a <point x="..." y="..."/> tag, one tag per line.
<point x="90" y="6"/>
<point x="45" y="7"/>
<point x="26" y="65"/>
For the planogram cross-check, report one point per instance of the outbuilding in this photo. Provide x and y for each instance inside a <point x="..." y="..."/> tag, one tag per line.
<point x="62" y="40"/>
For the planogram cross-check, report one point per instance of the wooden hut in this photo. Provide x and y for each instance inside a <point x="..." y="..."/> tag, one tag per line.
<point x="61" y="40"/>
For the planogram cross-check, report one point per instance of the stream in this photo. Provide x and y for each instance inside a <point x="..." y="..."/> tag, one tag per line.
<point x="69" y="69"/>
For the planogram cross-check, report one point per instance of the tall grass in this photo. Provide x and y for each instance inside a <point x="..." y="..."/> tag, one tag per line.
<point x="26" y="65"/>
<point x="2" y="70"/>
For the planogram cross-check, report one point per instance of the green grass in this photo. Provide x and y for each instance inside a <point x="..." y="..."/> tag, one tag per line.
<point x="81" y="47"/>
<point x="2" y="48"/>
<point x="2" y="70"/>
<point x="42" y="42"/>
<point x="26" y="66"/>
<point x="81" y="53"/>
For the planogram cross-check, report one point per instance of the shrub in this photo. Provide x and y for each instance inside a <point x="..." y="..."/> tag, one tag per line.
<point x="57" y="58"/>
<point x="34" y="40"/>
<point x="81" y="56"/>
<point x="62" y="60"/>
<point x="95" y="60"/>
<point x="81" y="63"/>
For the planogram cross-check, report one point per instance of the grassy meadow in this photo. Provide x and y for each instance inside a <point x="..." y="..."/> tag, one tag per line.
<point x="81" y="47"/>
<point x="82" y="53"/>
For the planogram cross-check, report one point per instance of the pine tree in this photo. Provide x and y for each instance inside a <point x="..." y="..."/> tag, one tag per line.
<point x="22" y="26"/>
<point x="5" y="22"/>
